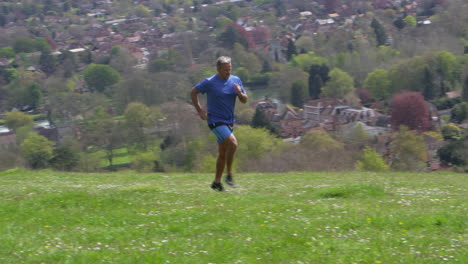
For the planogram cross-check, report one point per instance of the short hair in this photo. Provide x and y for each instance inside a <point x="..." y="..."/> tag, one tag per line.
<point x="223" y="60"/>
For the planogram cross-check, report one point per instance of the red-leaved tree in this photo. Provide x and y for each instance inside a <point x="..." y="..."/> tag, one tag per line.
<point x="261" y="34"/>
<point x="410" y="109"/>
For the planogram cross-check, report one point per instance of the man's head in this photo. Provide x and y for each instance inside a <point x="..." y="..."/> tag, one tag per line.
<point x="223" y="65"/>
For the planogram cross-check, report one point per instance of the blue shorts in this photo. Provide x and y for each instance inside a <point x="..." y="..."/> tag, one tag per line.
<point x="221" y="132"/>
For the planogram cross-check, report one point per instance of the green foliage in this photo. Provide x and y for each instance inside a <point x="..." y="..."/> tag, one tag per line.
<point x="428" y="85"/>
<point x="17" y="119"/>
<point x="378" y="83"/>
<point x="281" y="82"/>
<point x="37" y="151"/>
<point x="455" y="153"/>
<point x="465" y="90"/>
<point x="447" y="65"/>
<point x="138" y="118"/>
<point x="291" y="51"/>
<point x="34" y="95"/>
<point x="48" y="62"/>
<point x="306" y="60"/>
<point x="27" y="45"/>
<point x="460" y="112"/>
<point x="160" y="65"/>
<point x="192" y="159"/>
<point x="321" y="141"/>
<point x="98" y="77"/>
<point x="315" y="87"/>
<point x="371" y="161"/>
<point x="255" y="142"/>
<point x="64" y="158"/>
<point x="208" y="164"/>
<point x="339" y="85"/>
<point x="410" y="21"/>
<point x="88" y="162"/>
<point x="7" y="52"/>
<point x="408" y="151"/>
<point x="11" y="74"/>
<point x="380" y="34"/>
<point x="298" y="94"/>
<point x="144" y="162"/>
<point x="142" y="11"/>
<point x="445" y="103"/>
<point x="451" y="132"/>
<point x="222" y="21"/>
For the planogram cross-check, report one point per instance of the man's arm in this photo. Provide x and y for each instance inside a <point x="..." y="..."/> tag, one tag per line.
<point x="243" y="97"/>
<point x="196" y="103"/>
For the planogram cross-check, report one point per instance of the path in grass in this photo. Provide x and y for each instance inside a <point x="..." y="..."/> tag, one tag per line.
<point x="309" y="217"/>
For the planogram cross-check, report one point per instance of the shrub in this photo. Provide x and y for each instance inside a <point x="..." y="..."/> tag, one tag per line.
<point x="451" y="132"/>
<point x="371" y="161"/>
<point x="144" y="162"/>
<point x="37" y="151"/>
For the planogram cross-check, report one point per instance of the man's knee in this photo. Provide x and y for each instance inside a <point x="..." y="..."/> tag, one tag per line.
<point x="232" y="141"/>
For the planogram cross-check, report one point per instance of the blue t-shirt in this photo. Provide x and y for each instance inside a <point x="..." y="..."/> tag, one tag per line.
<point x="221" y="97"/>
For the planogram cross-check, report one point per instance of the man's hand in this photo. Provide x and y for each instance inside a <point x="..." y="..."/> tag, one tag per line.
<point x="242" y="96"/>
<point x="196" y="104"/>
<point x="202" y="114"/>
<point x="237" y="88"/>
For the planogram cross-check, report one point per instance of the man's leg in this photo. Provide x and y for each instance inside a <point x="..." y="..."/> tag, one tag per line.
<point x="221" y="161"/>
<point x="230" y="150"/>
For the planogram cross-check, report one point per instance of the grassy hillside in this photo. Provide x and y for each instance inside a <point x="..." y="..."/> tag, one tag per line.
<point x="307" y="217"/>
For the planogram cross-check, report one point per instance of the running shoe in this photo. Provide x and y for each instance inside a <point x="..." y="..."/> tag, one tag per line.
<point x="229" y="180"/>
<point x="217" y="187"/>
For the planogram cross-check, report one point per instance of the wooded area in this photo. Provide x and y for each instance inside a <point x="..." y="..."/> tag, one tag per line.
<point x="334" y="85"/>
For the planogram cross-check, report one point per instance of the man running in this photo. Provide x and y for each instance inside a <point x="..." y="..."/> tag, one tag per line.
<point x="221" y="90"/>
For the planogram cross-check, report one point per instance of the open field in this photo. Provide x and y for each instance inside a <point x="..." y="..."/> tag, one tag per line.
<point x="301" y="217"/>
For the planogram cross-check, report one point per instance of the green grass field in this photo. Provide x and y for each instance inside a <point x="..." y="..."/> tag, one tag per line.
<point x="302" y="217"/>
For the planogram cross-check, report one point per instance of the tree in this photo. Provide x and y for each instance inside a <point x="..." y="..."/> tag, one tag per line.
<point x="378" y="83"/>
<point x="291" y="51"/>
<point x="465" y="90"/>
<point x="24" y="45"/>
<point x="321" y="69"/>
<point x="318" y="75"/>
<point x="48" y="63"/>
<point x="455" y="153"/>
<point x="260" y="120"/>
<point x="411" y="110"/>
<point x="102" y="132"/>
<point x="98" y="77"/>
<point x="298" y="94"/>
<point x="380" y="34"/>
<point x="37" y="150"/>
<point x="16" y="119"/>
<point x="408" y="151"/>
<point x="428" y="85"/>
<point x="315" y="87"/>
<point x="460" y="112"/>
<point x="256" y="142"/>
<point x="306" y="61"/>
<point x="137" y="119"/>
<point x="65" y="158"/>
<point x="410" y="21"/>
<point x="235" y="33"/>
<point x="451" y="132"/>
<point x="7" y="52"/>
<point x="281" y="81"/>
<point x="339" y="85"/>
<point x="371" y="161"/>
<point x="142" y="11"/>
<point x="33" y="95"/>
<point x="320" y="141"/>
